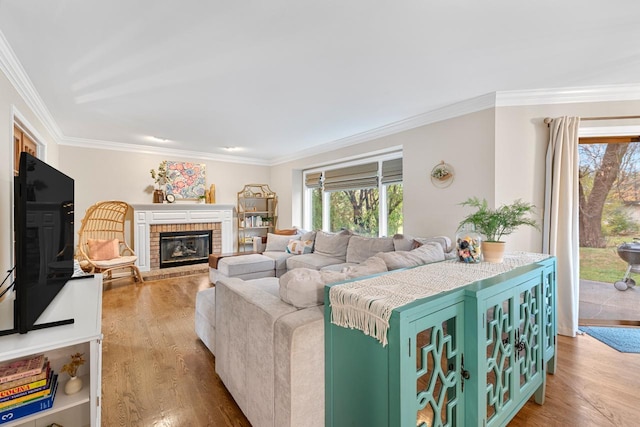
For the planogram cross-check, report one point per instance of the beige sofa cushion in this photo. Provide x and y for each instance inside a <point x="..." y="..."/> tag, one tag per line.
<point x="304" y="287"/>
<point x="372" y="265"/>
<point x="361" y="248"/>
<point x="332" y="245"/>
<point x="425" y="254"/>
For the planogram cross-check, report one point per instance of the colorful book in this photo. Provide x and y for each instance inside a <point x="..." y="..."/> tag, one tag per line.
<point x="21" y="368"/>
<point x="43" y="385"/>
<point x="31" y="407"/>
<point x="28" y="383"/>
<point x="27" y="397"/>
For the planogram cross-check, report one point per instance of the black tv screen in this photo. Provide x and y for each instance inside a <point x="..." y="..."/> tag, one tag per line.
<point x="44" y="238"/>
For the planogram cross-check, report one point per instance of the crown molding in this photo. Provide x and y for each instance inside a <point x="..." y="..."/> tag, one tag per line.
<point x="461" y="108"/>
<point x="146" y="149"/>
<point x="12" y="68"/>
<point x="570" y="95"/>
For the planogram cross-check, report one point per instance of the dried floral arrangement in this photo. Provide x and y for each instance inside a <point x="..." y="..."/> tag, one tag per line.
<point x="71" y="368"/>
<point x="160" y="176"/>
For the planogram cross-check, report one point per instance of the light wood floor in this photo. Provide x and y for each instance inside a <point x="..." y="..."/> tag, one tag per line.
<point x="157" y="373"/>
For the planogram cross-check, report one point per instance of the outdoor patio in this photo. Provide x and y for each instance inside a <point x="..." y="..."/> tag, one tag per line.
<point x="602" y="303"/>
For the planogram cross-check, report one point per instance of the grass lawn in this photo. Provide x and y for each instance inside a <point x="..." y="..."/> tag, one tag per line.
<point x="603" y="264"/>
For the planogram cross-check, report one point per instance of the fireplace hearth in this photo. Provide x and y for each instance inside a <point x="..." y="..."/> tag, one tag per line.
<point x="184" y="248"/>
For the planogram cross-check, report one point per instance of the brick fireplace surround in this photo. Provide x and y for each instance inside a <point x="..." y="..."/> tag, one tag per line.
<point x="152" y="219"/>
<point x="156" y="229"/>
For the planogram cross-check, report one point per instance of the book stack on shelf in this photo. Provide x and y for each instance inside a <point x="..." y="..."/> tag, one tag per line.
<point x="27" y="386"/>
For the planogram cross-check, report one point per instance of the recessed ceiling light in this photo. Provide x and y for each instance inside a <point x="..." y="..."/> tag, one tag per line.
<point x="233" y="148"/>
<point x="158" y="139"/>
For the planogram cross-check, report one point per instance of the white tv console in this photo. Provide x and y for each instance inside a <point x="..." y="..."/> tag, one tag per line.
<point x="80" y="299"/>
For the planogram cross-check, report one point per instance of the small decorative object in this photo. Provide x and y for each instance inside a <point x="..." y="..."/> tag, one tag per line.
<point x="212" y="194"/>
<point x="74" y="384"/>
<point x="201" y="199"/>
<point x="171" y="198"/>
<point x="442" y="175"/>
<point x="160" y="178"/>
<point x="468" y="244"/>
<point x="495" y="223"/>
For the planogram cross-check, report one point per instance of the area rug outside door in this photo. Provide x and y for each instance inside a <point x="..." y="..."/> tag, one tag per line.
<point x="625" y="340"/>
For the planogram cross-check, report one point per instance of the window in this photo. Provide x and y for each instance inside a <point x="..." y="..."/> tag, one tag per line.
<point x="364" y="197"/>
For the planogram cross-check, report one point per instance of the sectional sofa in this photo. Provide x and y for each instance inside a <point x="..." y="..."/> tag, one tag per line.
<point x="315" y="250"/>
<point x="267" y="334"/>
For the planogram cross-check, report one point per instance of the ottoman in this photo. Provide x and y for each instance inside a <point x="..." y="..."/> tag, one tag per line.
<point x="246" y="267"/>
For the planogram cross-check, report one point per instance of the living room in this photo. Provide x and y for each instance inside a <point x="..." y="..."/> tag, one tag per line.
<point x="496" y="138"/>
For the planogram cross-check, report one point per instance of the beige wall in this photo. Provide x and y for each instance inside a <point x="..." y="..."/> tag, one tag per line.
<point x="115" y="175"/>
<point x="11" y="101"/>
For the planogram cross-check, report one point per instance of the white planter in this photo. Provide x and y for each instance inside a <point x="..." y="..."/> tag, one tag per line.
<point x="73" y="386"/>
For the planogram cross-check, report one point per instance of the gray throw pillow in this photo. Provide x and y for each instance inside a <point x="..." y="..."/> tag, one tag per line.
<point x="360" y="248"/>
<point x="425" y="254"/>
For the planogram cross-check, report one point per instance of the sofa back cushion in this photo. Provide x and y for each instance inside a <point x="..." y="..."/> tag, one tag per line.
<point x="304" y="287"/>
<point x="425" y="254"/>
<point x="362" y="248"/>
<point x="332" y="245"/>
<point x="278" y="243"/>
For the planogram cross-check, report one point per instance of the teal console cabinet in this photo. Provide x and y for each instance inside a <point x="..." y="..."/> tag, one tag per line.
<point x="468" y="357"/>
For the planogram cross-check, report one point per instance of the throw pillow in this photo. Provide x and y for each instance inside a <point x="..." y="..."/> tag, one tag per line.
<point x="103" y="250"/>
<point x="443" y="241"/>
<point x="304" y="287"/>
<point x="372" y="265"/>
<point x="278" y="243"/>
<point x="332" y="245"/>
<point x="425" y="254"/>
<point x="297" y="247"/>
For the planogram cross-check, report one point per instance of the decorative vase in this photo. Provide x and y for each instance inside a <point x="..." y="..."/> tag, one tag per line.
<point x="73" y="386"/>
<point x="468" y="244"/>
<point x="493" y="251"/>
<point x="158" y="196"/>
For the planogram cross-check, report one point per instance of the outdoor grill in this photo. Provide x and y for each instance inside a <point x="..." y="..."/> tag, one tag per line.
<point x="630" y="253"/>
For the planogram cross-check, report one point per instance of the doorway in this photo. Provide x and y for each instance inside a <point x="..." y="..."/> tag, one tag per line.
<point x="609" y="196"/>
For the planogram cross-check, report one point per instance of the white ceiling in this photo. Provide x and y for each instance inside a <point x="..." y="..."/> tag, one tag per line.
<point x="279" y="78"/>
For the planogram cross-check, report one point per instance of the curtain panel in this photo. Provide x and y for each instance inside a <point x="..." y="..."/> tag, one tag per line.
<point x="560" y="230"/>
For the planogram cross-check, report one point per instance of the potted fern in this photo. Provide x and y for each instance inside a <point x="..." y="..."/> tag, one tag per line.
<point x="496" y="223"/>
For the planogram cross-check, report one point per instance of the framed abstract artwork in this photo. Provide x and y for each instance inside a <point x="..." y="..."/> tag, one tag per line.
<point x="185" y="180"/>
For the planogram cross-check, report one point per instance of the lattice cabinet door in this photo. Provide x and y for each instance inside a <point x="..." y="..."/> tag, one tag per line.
<point x="434" y="371"/>
<point x="513" y="347"/>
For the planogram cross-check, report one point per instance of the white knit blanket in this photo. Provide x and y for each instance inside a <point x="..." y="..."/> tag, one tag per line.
<point x="367" y="304"/>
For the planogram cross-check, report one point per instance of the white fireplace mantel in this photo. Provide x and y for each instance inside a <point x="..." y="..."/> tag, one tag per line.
<point x="178" y="213"/>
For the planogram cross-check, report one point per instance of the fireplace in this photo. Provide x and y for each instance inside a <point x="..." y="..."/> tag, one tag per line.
<point x="152" y="219"/>
<point x="184" y="248"/>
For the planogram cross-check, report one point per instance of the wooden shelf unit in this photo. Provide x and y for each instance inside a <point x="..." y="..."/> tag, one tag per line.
<point x="257" y="214"/>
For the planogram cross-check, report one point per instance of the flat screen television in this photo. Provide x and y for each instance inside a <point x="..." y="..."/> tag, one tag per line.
<point x="44" y="239"/>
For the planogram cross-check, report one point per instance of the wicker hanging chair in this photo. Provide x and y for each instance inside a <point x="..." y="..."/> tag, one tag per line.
<point x="101" y="244"/>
